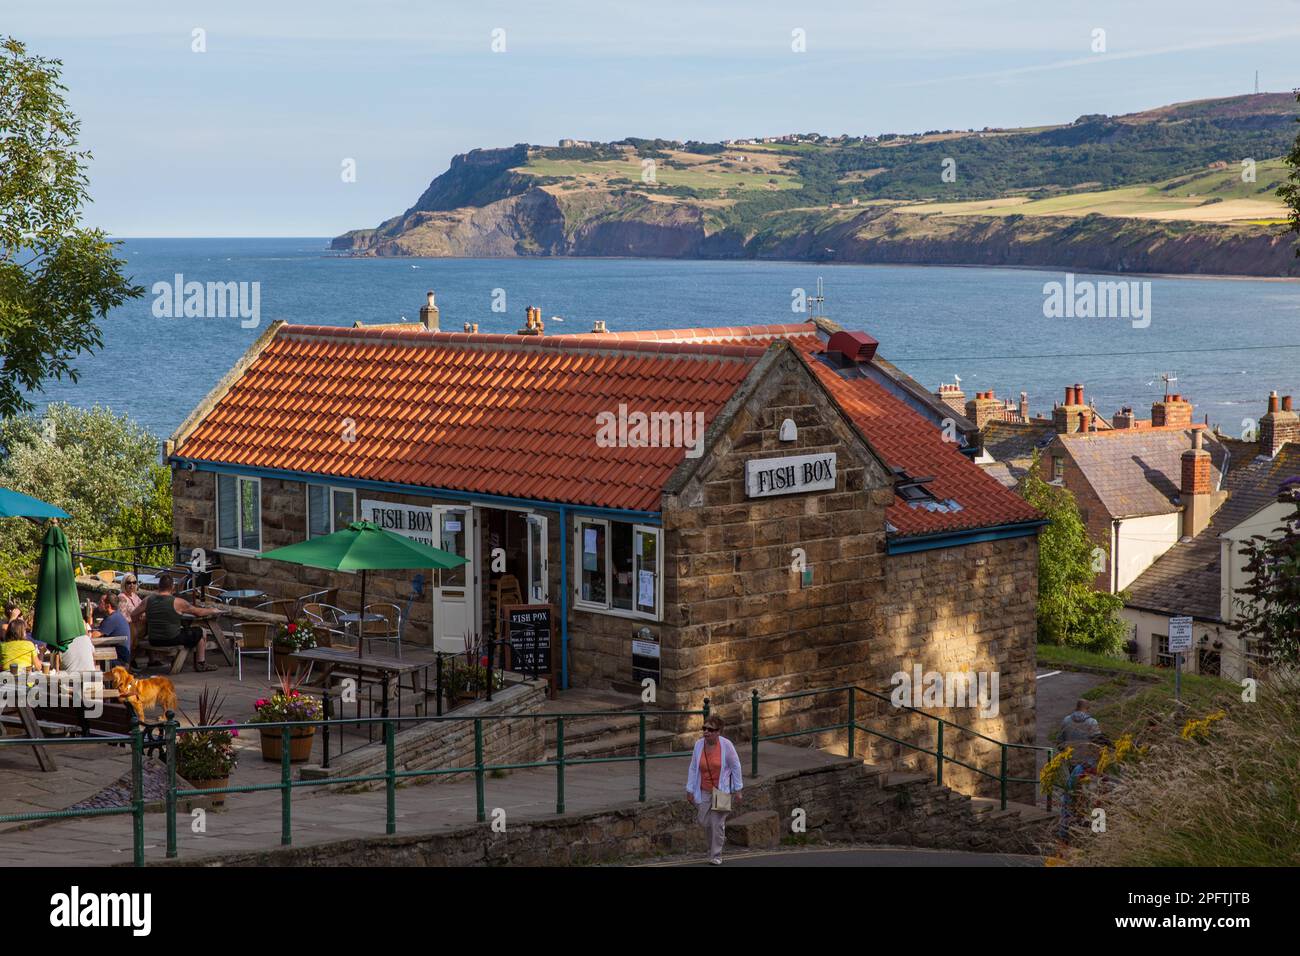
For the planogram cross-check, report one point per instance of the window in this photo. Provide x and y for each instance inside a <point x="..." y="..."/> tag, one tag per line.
<point x="619" y="567"/>
<point x="239" y="513"/>
<point x="1058" y="468"/>
<point x="1162" y="655"/>
<point x="329" y="509"/>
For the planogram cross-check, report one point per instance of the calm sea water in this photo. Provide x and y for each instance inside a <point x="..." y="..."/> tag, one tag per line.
<point x="1229" y="341"/>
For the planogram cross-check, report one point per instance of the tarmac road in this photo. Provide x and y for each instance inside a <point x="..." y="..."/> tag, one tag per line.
<point x="858" y="856"/>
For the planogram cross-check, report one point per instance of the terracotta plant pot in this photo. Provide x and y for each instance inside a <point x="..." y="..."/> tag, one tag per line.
<point x="300" y="740"/>
<point x="218" y="799"/>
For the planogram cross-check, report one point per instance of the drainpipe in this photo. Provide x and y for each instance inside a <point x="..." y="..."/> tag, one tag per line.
<point x="564" y="598"/>
<point x="1114" y="556"/>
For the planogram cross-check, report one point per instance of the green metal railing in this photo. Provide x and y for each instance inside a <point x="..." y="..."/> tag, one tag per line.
<point x="170" y="730"/>
<point x="852" y="726"/>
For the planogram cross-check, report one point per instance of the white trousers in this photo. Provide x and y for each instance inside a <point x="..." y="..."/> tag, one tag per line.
<point x="715" y="823"/>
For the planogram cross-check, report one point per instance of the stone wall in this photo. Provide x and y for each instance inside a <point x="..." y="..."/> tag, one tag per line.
<point x="845" y="801"/>
<point x="515" y="735"/>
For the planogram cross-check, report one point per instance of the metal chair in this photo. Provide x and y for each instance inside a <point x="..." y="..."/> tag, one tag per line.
<point x="282" y="606"/>
<point x="389" y="629"/>
<point x="108" y="576"/>
<point x="253" y="639"/>
<point x="322" y="613"/>
<point x="327" y="596"/>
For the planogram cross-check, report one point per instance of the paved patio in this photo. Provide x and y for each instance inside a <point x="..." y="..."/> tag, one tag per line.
<point x="252" y="821"/>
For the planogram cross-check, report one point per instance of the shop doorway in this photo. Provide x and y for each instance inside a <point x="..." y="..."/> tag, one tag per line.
<point x="455" y="594"/>
<point x="516" y="546"/>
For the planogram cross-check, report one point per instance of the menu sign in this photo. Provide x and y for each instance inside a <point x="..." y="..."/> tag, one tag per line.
<point x="530" y="629"/>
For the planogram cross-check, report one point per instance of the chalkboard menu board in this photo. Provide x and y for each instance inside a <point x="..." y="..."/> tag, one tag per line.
<point x="530" y="629"/>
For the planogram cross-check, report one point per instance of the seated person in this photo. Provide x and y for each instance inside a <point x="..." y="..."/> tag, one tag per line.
<point x="164" y="626"/>
<point x="115" y="630"/>
<point x="79" y="656"/>
<point x="12" y="612"/>
<point x="17" y="649"/>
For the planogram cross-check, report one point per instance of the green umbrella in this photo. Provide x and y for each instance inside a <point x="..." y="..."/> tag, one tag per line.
<point x="58" y="608"/>
<point x="364" y="546"/>
<point x="15" y="504"/>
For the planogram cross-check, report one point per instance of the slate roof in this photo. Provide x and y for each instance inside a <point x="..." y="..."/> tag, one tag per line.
<point x="1137" y="471"/>
<point x="1186" y="579"/>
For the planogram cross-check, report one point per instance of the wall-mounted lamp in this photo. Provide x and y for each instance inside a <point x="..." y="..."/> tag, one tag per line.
<point x="789" y="431"/>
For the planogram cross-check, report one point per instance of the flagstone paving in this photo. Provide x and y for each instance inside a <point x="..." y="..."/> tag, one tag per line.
<point x="252" y="821"/>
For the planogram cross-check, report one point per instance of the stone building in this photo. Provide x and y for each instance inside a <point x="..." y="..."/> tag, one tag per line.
<point x="768" y="508"/>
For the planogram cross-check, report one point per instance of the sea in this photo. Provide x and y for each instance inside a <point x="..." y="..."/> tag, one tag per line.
<point x="1224" y="342"/>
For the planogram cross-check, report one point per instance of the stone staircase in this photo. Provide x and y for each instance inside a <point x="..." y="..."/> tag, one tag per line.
<point x="602" y="735"/>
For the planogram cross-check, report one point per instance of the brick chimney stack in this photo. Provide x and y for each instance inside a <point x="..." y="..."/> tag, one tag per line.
<point x="1024" y="406"/>
<point x="1279" y="426"/>
<point x="1074" y="415"/>
<point x="983" y="408"/>
<point x="429" y="314"/>
<point x="952" y="396"/>
<point x="1195" y="492"/>
<point x="1171" y="411"/>
<point x="1123" y="418"/>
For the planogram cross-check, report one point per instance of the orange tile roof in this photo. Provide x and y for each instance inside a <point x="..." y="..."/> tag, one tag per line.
<point x="902" y="437"/>
<point x="492" y="414"/>
<point x="515" y="416"/>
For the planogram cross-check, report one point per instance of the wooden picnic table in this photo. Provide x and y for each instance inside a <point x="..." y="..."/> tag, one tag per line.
<point x="32" y="726"/>
<point x="387" y="671"/>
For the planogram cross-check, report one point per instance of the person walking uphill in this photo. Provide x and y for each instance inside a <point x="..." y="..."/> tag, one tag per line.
<point x="713" y="783"/>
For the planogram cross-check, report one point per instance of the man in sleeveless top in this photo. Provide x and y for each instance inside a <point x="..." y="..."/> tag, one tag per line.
<point x="160" y="616"/>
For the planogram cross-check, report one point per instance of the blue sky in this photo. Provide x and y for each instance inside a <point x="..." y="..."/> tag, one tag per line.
<point x="249" y="137"/>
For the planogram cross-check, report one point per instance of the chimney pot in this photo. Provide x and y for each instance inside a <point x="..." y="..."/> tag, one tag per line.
<point x="1078" y="393"/>
<point x="1272" y="401"/>
<point x="1286" y="403"/>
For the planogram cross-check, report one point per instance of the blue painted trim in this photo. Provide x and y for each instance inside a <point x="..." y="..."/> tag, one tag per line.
<point x="564" y="597"/>
<point x="469" y="497"/>
<point x="955" y="539"/>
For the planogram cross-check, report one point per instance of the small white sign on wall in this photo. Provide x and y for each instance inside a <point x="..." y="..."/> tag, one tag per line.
<point x="792" y="475"/>
<point x="1180" y="634"/>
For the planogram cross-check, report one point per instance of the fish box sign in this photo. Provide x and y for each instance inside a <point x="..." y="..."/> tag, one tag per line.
<point x="789" y="476"/>
<point x="410" y="521"/>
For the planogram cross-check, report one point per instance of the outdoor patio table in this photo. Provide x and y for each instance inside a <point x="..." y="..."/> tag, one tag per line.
<point x="218" y="637"/>
<point x="347" y="620"/>
<point x="385" y="670"/>
<point x="241" y="594"/>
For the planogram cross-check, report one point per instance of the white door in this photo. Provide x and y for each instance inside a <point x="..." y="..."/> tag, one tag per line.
<point x="537" y="589"/>
<point x="455" y="596"/>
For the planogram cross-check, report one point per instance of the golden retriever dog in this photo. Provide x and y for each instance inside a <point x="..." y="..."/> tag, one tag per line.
<point x="143" y="693"/>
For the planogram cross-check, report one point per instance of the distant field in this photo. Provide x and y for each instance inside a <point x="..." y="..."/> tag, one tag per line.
<point x="722" y="172"/>
<point x="1215" y="195"/>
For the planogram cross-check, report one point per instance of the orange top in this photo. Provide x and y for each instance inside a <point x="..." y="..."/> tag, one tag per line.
<point x="710" y="766"/>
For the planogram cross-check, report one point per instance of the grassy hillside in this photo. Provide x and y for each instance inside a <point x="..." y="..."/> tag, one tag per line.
<point x="849" y="198"/>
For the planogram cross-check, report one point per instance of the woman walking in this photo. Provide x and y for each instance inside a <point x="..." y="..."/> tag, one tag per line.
<point x="713" y="783"/>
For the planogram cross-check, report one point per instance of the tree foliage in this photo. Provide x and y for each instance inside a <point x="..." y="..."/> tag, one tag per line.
<point x="1290" y="191"/>
<point x="1070" y="609"/>
<point x="1270" y="602"/>
<point x="56" y="277"/>
<point x="100" y="468"/>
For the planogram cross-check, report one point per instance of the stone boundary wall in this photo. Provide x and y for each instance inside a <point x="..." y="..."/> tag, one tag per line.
<point x="843" y="801"/>
<point x="440" y="744"/>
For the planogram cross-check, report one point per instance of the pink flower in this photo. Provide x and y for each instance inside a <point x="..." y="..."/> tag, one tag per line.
<point x="260" y="703"/>
<point x="292" y="627"/>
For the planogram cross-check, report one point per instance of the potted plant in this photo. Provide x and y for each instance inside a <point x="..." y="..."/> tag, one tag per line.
<point x="205" y="758"/>
<point x="299" y="635"/>
<point x="285" y="705"/>
<point x="465" y="682"/>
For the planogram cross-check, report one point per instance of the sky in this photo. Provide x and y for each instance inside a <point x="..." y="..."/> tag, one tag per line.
<point x="249" y="135"/>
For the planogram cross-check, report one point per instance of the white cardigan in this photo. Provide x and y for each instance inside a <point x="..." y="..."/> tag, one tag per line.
<point x="729" y="777"/>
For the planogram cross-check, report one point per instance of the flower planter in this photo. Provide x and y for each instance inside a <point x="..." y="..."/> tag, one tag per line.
<point x="218" y="799"/>
<point x="282" y="662"/>
<point x="300" y="740"/>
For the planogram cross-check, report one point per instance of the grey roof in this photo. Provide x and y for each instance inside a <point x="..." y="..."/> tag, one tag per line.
<point x="1016" y="441"/>
<point x="1137" y="471"/>
<point x="1186" y="579"/>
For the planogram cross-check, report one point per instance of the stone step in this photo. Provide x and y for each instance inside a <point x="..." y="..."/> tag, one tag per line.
<point x="616" y="745"/>
<point x="579" y="729"/>
<point x="894" y="781"/>
<point x="757" y="828"/>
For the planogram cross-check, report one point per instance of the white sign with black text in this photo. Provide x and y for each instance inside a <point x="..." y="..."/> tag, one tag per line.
<point x="1180" y="634"/>
<point x="410" y="521"/>
<point x="789" y="476"/>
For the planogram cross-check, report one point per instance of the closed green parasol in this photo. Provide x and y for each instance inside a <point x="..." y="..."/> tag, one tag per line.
<point x="58" y="608"/>
<point x="364" y="546"/>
